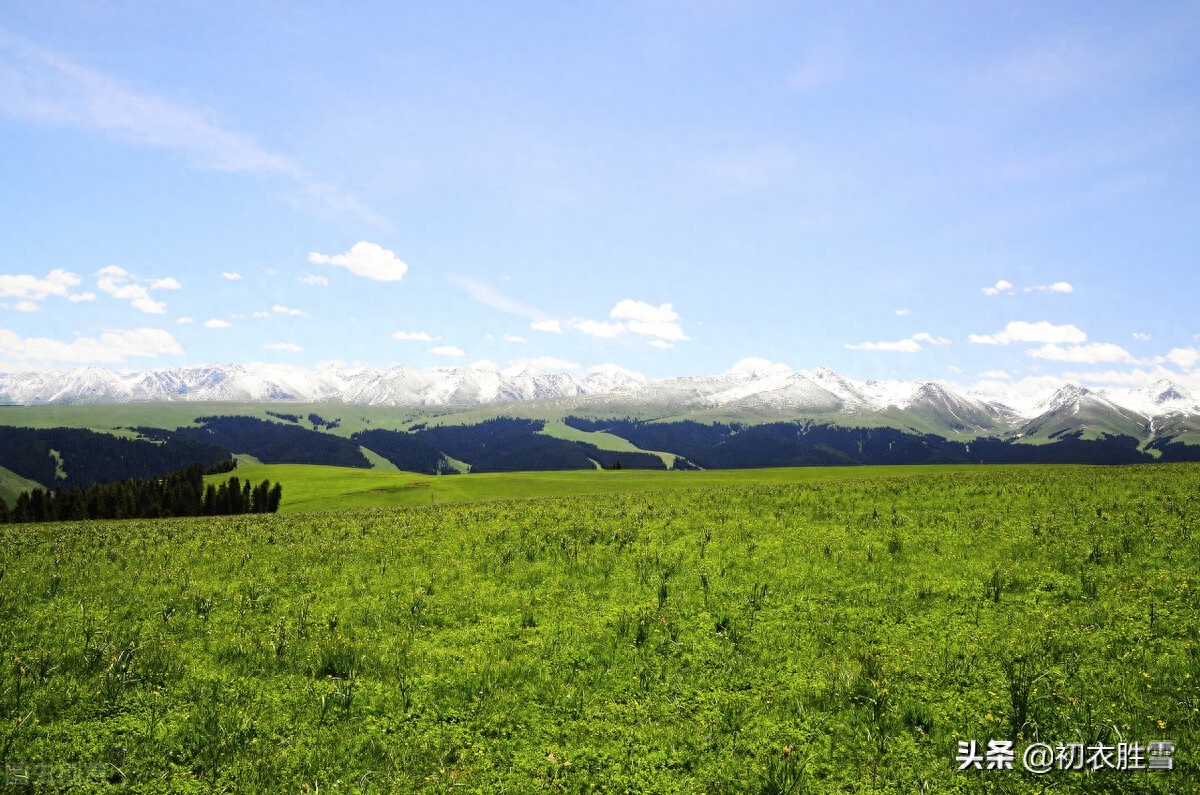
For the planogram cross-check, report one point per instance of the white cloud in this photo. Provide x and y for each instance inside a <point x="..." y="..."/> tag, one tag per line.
<point x="903" y="312"/>
<point x="184" y="321"/>
<point x="415" y="336"/>
<point x="1141" y="336"/>
<point x="1184" y="358"/>
<point x="599" y="328"/>
<point x="57" y="282"/>
<point x="314" y="280"/>
<point x="899" y="346"/>
<point x="216" y="323"/>
<point x="110" y="346"/>
<point x="515" y="366"/>
<point x="910" y="345"/>
<point x="448" y="350"/>
<point x="230" y="276"/>
<point x="514" y="338"/>
<point x="260" y="314"/>
<point x="365" y="259"/>
<point x="284" y="346"/>
<point x="26" y="306"/>
<point x="165" y="284"/>
<point x="1000" y="375"/>
<point x="637" y="317"/>
<point x="663" y="344"/>
<point x="279" y="309"/>
<point x="660" y="321"/>
<point x="551" y="326"/>
<point x="999" y="287"/>
<point x="1056" y="287"/>
<point x="1021" y="331"/>
<point x="1092" y="353"/>
<point x="80" y="297"/>
<point x="117" y="282"/>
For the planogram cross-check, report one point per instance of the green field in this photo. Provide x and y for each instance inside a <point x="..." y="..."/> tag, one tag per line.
<point x="802" y="631"/>
<point x="12" y="484"/>
<point x="310" y="488"/>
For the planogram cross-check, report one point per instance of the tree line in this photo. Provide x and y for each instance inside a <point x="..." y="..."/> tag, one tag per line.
<point x="181" y="493"/>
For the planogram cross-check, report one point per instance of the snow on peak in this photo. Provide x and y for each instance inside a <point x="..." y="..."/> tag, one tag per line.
<point x="757" y="367"/>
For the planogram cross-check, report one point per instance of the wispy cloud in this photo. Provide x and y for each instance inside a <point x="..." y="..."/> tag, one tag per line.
<point x="489" y="296"/>
<point x="216" y="323"/>
<point x="39" y="86"/>
<point x="290" y="347"/>
<point x="448" y="350"/>
<point x="280" y="309"/>
<point x="1056" y="287"/>
<point x="413" y="336"/>
<point x="230" y="276"/>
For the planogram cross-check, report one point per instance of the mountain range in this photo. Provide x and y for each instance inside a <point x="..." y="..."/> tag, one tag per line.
<point x="1162" y="410"/>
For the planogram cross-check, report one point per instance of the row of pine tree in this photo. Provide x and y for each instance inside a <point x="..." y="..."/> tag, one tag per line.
<point x="181" y="493"/>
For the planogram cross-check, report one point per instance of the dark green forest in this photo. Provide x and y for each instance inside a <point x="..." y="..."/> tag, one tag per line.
<point x="783" y="444"/>
<point x="74" y="457"/>
<point x="181" y="493"/>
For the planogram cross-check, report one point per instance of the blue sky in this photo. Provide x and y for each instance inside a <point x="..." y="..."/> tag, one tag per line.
<point x="974" y="192"/>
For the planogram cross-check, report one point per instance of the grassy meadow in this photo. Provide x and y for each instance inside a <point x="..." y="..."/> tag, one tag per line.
<point x="323" y="488"/>
<point x="787" y="631"/>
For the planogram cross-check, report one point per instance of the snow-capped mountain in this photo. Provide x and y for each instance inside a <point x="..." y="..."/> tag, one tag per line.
<point x="753" y="388"/>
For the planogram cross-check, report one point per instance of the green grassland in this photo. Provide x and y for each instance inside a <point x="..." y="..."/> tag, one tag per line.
<point x="12" y="484"/>
<point x="812" y="631"/>
<point x="602" y="440"/>
<point x="308" y="488"/>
